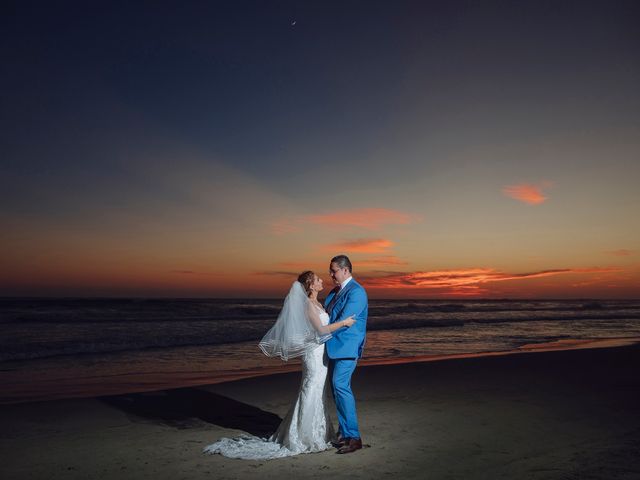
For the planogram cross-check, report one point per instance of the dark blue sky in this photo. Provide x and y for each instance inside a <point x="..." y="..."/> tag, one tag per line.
<point x="238" y="80"/>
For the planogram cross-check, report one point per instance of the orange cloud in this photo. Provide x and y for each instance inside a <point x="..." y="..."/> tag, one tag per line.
<point x="621" y="253"/>
<point x="465" y="280"/>
<point x="466" y="291"/>
<point x="369" y="218"/>
<point x="277" y="273"/>
<point x="378" y="261"/>
<point x="531" y="194"/>
<point x="364" y="245"/>
<point x="299" y="265"/>
<point x="358" y="263"/>
<point x="192" y="272"/>
<point x="366" y="218"/>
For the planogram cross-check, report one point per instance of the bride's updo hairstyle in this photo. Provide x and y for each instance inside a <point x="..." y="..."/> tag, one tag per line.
<point x="306" y="279"/>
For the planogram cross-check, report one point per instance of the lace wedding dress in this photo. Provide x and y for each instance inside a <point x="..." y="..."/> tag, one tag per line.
<point x="307" y="426"/>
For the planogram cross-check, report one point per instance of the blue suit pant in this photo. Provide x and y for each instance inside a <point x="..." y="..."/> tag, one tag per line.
<point x="345" y="401"/>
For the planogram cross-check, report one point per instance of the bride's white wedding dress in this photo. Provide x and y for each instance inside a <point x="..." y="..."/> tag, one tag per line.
<point x="307" y="426"/>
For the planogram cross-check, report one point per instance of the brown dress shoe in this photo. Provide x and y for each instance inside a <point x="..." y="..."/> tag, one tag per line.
<point x="353" y="445"/>
<point x="341" y="442"/>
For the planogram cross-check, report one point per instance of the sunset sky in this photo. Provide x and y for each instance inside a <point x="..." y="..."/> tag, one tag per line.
<point x="216" y="149"/>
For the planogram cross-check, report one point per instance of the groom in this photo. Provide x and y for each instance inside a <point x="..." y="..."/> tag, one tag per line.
<point x="344" y="349"/>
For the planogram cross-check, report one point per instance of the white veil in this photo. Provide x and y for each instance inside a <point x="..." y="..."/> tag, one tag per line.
<point x="293" y="333"/>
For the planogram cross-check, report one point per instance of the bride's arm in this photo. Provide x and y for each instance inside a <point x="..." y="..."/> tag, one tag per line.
<point x="314" y="319"/>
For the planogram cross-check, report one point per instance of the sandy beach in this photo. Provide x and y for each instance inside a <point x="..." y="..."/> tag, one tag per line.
<point x="559" y="414"/>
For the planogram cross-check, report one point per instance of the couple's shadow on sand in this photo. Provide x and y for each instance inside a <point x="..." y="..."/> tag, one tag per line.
<point x="189" y="407"/>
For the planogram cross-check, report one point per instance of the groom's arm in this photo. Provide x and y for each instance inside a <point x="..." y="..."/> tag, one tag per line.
<point x="314" y="320"/>
<point x="355" y="304"/>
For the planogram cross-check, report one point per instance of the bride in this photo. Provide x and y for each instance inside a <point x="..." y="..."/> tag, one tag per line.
<point x="302" y="329"/>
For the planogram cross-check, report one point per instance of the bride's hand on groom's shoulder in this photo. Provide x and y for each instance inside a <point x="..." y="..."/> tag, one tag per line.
<point x="349" y="321"/>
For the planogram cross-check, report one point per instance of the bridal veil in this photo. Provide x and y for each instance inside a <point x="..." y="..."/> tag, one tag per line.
<point x="293" y="333"/>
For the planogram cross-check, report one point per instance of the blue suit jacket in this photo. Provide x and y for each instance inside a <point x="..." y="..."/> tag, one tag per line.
<point x="348" y="342"/>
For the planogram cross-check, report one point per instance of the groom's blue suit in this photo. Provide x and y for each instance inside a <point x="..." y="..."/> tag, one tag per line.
<point x="344" y="348"/>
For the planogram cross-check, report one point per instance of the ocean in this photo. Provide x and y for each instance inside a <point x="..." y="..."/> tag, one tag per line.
<point x="64" y="348"/>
